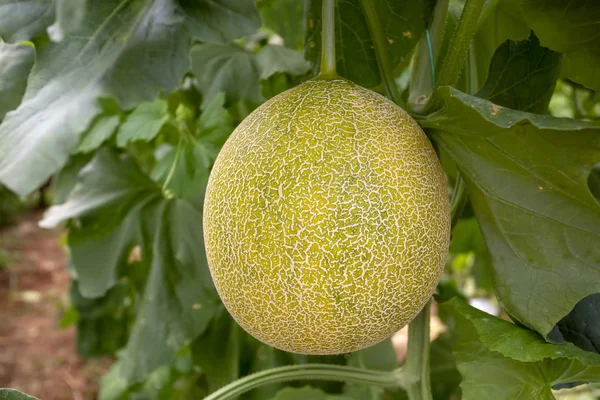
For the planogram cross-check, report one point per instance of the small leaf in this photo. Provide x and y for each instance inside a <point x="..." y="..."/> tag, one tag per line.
<point x="503" y="361"/>
<point x="522" y="76"/>
<point x="272" y="59"/>
<point x="570" y="27"/>
<point x="16" y="61"/>
<point x="144" y="123"/>
<point x="65" y="180"/>
<point x="221" y="21"/>
<point x="541" y="223"/>
<point x="101" y="129"/>
<point x="12" y="394"/>
<point x="226" y="68"/>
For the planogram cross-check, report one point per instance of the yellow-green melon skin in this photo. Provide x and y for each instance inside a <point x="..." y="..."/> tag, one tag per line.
<point x="326" y="219"/>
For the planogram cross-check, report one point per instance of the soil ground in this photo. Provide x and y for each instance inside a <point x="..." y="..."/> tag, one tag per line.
<point x="37" y="356"/>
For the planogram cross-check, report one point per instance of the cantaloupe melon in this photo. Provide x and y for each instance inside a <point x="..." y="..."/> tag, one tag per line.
<point x="326" y="219"/>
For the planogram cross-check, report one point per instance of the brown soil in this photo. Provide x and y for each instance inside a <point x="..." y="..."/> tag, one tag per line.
<point x="37" y="356"/>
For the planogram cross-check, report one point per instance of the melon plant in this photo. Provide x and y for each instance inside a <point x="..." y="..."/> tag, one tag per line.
<point x="280" y="170"/>
<point x="326" y="219"/>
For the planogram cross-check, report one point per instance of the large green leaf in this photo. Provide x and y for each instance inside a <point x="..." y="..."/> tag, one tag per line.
<point x="115" y="206"/>
<point x="221" y="20"/>
<point x="402" y="23"/>
<point x="117" y="57"/>
<point x="25" y="20"/>
<point x="570" y="27"/>
<point x="13" y="394"/>
<point x="273" y="59"/>
<point x="582" y="326"/>
<point x="522" y="76"/>
<point x="527" y="177"/>
<point x="500" y="360"/>
<point x="16" y="61"/>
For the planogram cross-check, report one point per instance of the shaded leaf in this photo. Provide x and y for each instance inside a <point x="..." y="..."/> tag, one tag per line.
<point x="144" y="123"/>
<point x="273" y="59"/>
<point x="381" y="356"/>
<point x="221" y="21"/>
<point x="285" y="18"/>
<point x="16" y="61"/>
<point x="226" y="68"/>
<point x="570" y="27"/>
<point x="65" y="180"/>
<point x="522" y="76"/>
<point x="24" y="20"/>
<point x="503" y="361"/>
<point x="500" y="21"/>
<point x="541" y="223"/>
<point x="60" y="101"/>
<point x="217" y="351"/>
<point x="403" y="23"/>
<point x="581" y="326"/>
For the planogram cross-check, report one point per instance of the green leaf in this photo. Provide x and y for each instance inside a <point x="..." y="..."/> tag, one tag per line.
<point x="500" y="21"/>
<point x="226" y="68"/>
<point x="582" y="326"/>
<point x="114" y="206"/>
<point x="144" y="123"/>
<point x="179" y="297"/>
<point x="24" y="20"/>
<point x="65" y="180"/>
<point x="570" y="27"/>
<point x="221" y="21"/>
<point x="12" y="394"/>
<point x="217" y="351"/>
<point x="467" y="241"/>
<point x="273" y="59"/>
<point x="500" y="360"/>
<point x="445" y="377"/>
<point x="285" y="18"/>
<point x="541" y="223"/>
<point x="16" y="61"/>
<point x="69" y="17"/>
<point x="187" y="166"/>
<point x="106" y="201"/>
<point x="102" y="128"/>
<point x="522" y="76"/>
<point x="150" y="55"/>
<point x="402" y="23"/>
<point x="305" y="393"/>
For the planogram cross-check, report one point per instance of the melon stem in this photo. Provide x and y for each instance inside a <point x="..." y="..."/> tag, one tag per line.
<point x="390" y="380"/>
<point x="328" y="67"/>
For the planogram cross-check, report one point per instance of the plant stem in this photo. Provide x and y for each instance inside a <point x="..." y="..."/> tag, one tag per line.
<point x="328" y="39"/>
<point x="423" y="71"/>
<point x="417" y="357"/>
<point x="393" y="379"/>
<point x="381" y="51"/>
<point x="458" y="200"/>
<point x="452" y="65"/>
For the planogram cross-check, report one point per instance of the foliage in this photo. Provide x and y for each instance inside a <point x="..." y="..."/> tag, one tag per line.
<point x="125" y="105"/>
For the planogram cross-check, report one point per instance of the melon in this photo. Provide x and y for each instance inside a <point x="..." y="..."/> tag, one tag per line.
<point x="326" y="219"/>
